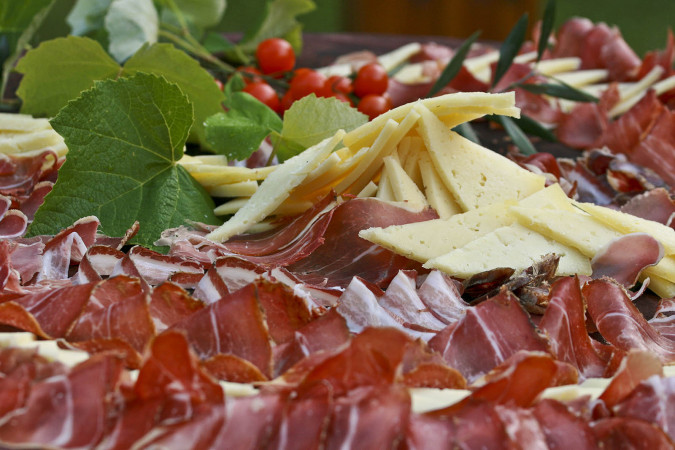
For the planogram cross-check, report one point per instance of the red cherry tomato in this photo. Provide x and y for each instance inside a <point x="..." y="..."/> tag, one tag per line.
<point x="265" y="93"/>
<point x="305" y="83"/>
<point x="371" y="79"/>
<point x="374" y="105"/>
<point x="338" y="84"/>
<point x="286" y="101"/>
<point x="275" y="55"/>
<point x="250" y="74"/>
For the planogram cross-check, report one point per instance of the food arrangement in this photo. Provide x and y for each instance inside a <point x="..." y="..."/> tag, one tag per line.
<point x="377" y="283"/>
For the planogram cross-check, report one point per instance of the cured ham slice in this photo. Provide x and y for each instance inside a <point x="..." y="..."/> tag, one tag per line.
<point x="442" y="296"/>
<point x="66" y="411"/>
<point x="652" y="400"/>
<point x="487" y="335"/>
<point x="19" y="175"/>
<point x="664" y="318"/>
<point x="587" y="123"/>
<point x="635" y="367"/>
<point x="653" y="205"/>
<point x="564" y="322"/>
<point x="623" y="432"/>
<point x="624" y="258"/>
<point x="169" y="304"/>
<point x="233" y="325"/>
<point x="69" y="246"/>
<point x="154" y="267"/>
<point x="620" y="322"/>
<point x="345" y="255"/>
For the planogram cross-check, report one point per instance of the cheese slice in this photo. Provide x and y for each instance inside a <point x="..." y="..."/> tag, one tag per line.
<point x="23" y="123"/>
<point x="211" y="175"/>
<point x="411" y="162"/>
<point x="475" y="175"/>
<point x="239" y="189"/>
<point x="513" y="246"/>
<point x="404" y="188"/>
<point x="369" y="191"/>
<point x="384" y="189"/>
<point x="276" y="188"/>
<point x="551" y="197"/>
<point x="557" y="65"/>
<point x="453" y="109"/>
<point x="423" y="241"/>
<point x="628" y="223"/>
<point x="662" y="287"/>
<point x="580" y="78"/>
<point x="437" y="194"/>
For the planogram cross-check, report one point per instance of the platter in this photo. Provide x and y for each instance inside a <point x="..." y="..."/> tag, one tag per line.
<point x="392" y="285"/>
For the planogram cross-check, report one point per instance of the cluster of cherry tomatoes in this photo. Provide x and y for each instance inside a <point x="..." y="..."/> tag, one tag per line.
<point x="276" y="58"/>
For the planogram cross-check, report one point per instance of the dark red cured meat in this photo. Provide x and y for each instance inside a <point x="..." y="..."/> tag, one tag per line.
<point x="30" y="204"/>
<point x="588" y="186"/>
<point x="402" y="93"/>
<point x="635" y="367"/>
<point x="620" y="322"/>
<point x="169" y="304"/>
<point x="664" y="318"/>
<point x="564" y="322"/>
<point x="156" y="268"/>
<point x="117" y="309"/>
<point x="487" y="335"/>
<point x="664" y="58"/>
<point x="570" y="36"/>
<point x="78" y="420"/>
<point x="233" y="325"/>
<point x="19" y="175"/>
<point x="369" y="417"/>
<point x="344" y="254"/>
<point x="652" y="400"/>
<point x="562" y="428"/>
<point x="13" y="223"/>
<point x="233" y="368"/>
<point x="656" y="150"/>
<point x="624" y="258"/>
<point x="655" y="205"/>
<point x="49" y="314"/>
<point x="630" y="434"/>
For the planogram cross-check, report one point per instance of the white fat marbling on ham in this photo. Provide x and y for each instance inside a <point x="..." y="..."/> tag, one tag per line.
<point x="664" y="318"/>
<point x="441" y="295"/>
<point x="402" y="299"/>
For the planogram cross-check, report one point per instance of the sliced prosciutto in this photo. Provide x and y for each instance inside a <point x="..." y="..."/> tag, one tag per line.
<point x="652" y="400"/>
<point x="624" y="258"/>
<point x="620" y="322"/>
<point x="487" y="335"/>
<point x="664" y="318"/>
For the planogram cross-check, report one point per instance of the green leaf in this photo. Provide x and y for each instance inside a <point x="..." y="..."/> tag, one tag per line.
<point x="202" y="13"/>
<point x="124" y="138"/>
<point x="534" y="128"/>
<point x="18" y="23"/>
<point x="279" y="20"/>
<point x="217" y="43"/>
<point x="58" y="70"/>
<point x="312" y="119"/>
<point x="519" y="138"/>
<point x="178" y="67"/>
<point x="546" y="27"/>
<point x="559" y="90"/>
<point x="87" y="16"/>
<point x="130" y="25"/>
<point x="454" y="66"/>
<point x="239" y="132"/>
<point x="466" y="130"/>
<point x="510" y="48"/>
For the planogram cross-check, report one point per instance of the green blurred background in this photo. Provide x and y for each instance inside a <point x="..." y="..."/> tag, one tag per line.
<point x="644" y="23"/>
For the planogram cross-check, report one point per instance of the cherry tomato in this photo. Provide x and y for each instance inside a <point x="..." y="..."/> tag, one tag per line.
<point x="371" y="79"/>
<point x="275" y="55"/>
<point x="336" y="84"/>
<point x="373" y="105"/>
<point x="286" y="101"/>
<point x="265" y="93"/>
<point x="305" y="83"/>
<point x="250" y="74"/>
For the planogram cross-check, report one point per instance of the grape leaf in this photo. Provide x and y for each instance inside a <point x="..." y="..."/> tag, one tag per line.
<point x="58" y="70"/>
<point x="130" y="25"/>
<point x="202" y="13"/>
<point x="124" y="138"/>
<point x="279" y="20"/>
<point x="312" y="119"/>
<point x="238" y="132"/>
<point x="87" y="16"/>
<point x="178" y="67"/>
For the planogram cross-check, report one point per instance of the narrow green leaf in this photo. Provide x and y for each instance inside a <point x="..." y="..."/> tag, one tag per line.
<point x="519" y="138"/>
<point x="454" y="66"/>
<point x="534" y="128"/>
<point x="217" y="43"/>
<point x="312" y="119"/>
<point x="546" y="27"/>
<point x="58" y="70"/>
<point x="510" y="48"/>
<point x="130" y="25"/>
<point x="465" y="129"/>
<point x="124" y="138"/>
<point x="558" y="90"/>
<point x="239" y="132"/>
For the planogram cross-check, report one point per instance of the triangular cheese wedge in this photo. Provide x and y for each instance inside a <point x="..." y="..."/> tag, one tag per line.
<point x="514" y="246"/>
<point x="275" y="189"/>
<point x="405" y="189"/>
<point x="628" y="223"/>
<point x="422" y="241"/>
<point x="475" y="175"/>
<point x="437" y="194"/>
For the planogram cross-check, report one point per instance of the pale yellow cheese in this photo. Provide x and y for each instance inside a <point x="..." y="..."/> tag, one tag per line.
<point x="437" y="194"/>
<point x="628" y="223"/>
<point x="213" y="175"/>
<point x="404" y="189"/>
<point x="239" y="189"/>
<point x="557" y="65"/>
<point x="324" y="169"/>
<point x="275" y="189"/>
<point x="475" y="175"/>
<point x="551" y="197"/>
<point x="369" y="191"/>
<point x="513" y="246"/>
<point x="464" y="105"/>
<point x="663" y="288"/>
<point x="422" y="241"/>
<point x="384" y="189"/>
<point x="23" y="123"/>
<point x="14" y="143"/>
<point x="580" y="78"/>
<point x="411" y="162"/>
